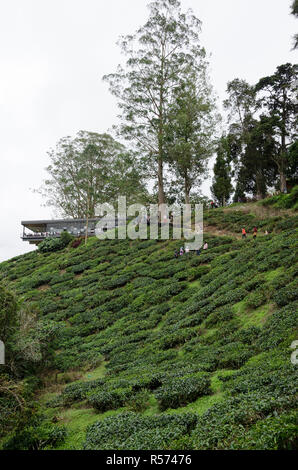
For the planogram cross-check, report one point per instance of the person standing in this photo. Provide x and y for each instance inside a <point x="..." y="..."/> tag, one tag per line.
<point x="205" y="247"/>
<point x="243" y="233"/>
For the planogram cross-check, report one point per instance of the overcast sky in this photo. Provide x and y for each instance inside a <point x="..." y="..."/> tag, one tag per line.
<point x="53" y="54"/>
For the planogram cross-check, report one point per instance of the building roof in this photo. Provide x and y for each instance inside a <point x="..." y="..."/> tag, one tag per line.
<point x="51" y="221"/>
<point x="40" y="225"/>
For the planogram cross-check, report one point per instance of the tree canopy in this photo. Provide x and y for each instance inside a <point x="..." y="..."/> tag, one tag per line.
<point x="90" y="169"/>
<point x="158" y="55"/>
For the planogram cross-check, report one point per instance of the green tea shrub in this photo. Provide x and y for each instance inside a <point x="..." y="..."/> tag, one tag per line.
<point x="131" y="431"/>
<point x="223" y="314"/>
<point x="257" y="298"/>
<point x="283" y="201"/>
<point x="181" y="391"/>
<point x="278" y="327"/>
<point x="148" y="381"/>
<point x="175" y="339"/>
<point x="79" y="390"/>
<point x="34" y="432"/>
<point x="139" y="402"/>
<point x="256" y="281"/>
<point x="272" y="433"/>
<point x="110" y="400"/>
<point x="55" y="244"/>
<point x="286" y="294"/>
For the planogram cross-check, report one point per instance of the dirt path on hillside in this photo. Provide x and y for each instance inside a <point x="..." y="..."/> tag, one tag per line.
<point x="213" y="230"/>
<point x="263" y="212"/>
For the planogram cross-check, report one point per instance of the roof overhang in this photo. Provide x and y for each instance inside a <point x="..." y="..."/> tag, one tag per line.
<point x="41" y="225"/>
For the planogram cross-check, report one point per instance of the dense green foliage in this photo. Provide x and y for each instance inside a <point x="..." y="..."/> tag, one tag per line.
<point x="283" y="201"/>
<point x="55" y="244"/>
<point x="193" y="353"/>
<point x="87" y="170"/>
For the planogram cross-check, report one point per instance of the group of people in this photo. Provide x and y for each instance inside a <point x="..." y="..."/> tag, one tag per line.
<point x="254" y="233"/>
<point x="186" y="251"/>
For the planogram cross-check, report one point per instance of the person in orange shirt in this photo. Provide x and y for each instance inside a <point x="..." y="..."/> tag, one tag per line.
<point x="243" y="233"/>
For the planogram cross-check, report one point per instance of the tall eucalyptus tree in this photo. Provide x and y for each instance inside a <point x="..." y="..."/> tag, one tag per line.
<point x="158" y="55"/>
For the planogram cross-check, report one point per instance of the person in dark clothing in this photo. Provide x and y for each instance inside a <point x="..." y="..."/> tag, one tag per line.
<point x="176" y="254"/>
<point x="212" y="205"/>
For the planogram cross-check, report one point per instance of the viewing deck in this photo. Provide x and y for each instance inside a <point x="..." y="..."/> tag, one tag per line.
<point x="42" y="229"/>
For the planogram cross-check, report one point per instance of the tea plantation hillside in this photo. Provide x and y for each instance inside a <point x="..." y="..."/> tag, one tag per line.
<point x="153" y="352"/>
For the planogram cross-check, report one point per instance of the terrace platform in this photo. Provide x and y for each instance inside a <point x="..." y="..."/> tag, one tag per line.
<point x="39" y="230"/>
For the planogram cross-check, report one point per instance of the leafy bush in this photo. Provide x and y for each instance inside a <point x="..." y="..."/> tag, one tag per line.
<point x="286" y="294"/>
<point x="256" y="298"/>
<point x="110" y="400"/>
<point x="178" y="392"/>
<point x="55" y="244"/>
<point x="135" y="306"/>
<point x="283" y="201"/>
<point x="139" y="402"/>
<point x="272" y="433"/>
<point x="130" y="431"/>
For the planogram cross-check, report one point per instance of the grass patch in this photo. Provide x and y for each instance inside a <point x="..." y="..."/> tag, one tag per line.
<point x="201" y="405"/>
<point x="248" y="317"/>
<point x="270" y="275"/>
<point x="76" y="422"/>
<point x="97" y="373"/>
<point x="153" y="407"/>
<point x="216" y="383"/>
<point x="195" y="284"/>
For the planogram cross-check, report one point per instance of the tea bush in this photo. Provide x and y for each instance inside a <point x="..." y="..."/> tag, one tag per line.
<point x="130" y="431"/>
<point x="110" y="400"/>
<point x="178" y="392"/>
<point x="55" y="244"/>
<point x="161" y="330"/>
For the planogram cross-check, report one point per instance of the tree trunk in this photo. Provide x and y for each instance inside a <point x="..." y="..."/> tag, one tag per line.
<point x="282" y="166"/>
<point x="259" y="185"/>
<point x="186" y="190"/>
<point x="283" y="182"/>
<point x="161" y="194"/>
<point x="87" y="220"/>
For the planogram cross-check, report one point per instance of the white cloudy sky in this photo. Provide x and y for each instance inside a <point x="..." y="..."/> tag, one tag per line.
<point x="53" y="54"/>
